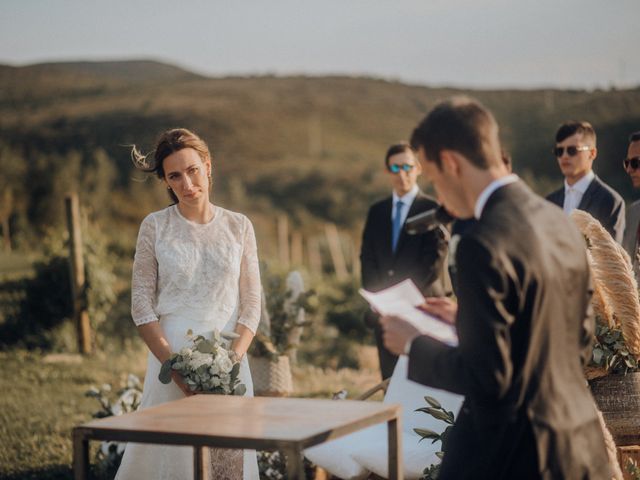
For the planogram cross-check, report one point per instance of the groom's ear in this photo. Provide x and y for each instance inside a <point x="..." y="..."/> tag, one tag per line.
<point x="450" y="161"/>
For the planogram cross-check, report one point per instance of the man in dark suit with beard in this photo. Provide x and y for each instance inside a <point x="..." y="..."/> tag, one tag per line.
<point x="388" y="254"/>
<point x="523" y="316"/>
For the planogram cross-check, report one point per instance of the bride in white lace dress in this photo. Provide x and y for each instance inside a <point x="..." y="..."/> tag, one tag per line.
<point x="195" y="267"/>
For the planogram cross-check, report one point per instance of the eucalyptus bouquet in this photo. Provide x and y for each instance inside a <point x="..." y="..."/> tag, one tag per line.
<point x="207" y="366"/>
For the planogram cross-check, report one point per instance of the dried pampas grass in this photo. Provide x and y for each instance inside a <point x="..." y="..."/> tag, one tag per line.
<point x="612" y="451"/>
<point x="615" y="287"/>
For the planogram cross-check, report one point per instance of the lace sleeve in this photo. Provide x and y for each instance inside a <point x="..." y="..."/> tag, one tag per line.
<point x="250" y="285"/>
<point x="145" y="275"/>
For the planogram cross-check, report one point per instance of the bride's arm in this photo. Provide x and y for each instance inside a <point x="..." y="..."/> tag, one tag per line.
<point x="250" y="288"/>
<point x="241" y="344"/>
<point x="143" y="292"/>
<point x="153" y="336"/>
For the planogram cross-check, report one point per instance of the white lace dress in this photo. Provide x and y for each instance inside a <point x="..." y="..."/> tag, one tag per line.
<point x="200" y="277"/>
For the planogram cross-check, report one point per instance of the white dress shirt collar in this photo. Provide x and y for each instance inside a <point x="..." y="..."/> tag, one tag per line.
<point x="582" y="184"/>
<point x="488" y="191"/>
<point x="407" y="198"/>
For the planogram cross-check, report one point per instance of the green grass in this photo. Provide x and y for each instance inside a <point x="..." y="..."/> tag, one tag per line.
<point x="15" y="265"/>
<point x="42" y="399"/>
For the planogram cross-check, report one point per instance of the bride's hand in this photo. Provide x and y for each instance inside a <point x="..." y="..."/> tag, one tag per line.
<point x="177" y="379"/>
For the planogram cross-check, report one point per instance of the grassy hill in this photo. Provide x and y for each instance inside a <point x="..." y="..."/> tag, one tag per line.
<point x="309" y="146"/>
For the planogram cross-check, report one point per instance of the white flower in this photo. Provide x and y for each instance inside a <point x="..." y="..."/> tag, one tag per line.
<point x="224" y="363"/>
<point x="186" y="352"/>
<point x="199" y="359"/>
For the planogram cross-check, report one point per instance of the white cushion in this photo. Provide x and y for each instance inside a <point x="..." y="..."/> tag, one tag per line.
<point x="357" y="454"/>
<point x="415" y="456"/>
<point x="335" y="456"/>
<point x="410" y="395"/>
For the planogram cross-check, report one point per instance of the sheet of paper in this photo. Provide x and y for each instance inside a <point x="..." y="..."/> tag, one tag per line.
<point x="402" y="301"/>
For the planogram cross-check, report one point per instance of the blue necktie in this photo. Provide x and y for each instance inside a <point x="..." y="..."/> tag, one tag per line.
<point x="397" y="226"/>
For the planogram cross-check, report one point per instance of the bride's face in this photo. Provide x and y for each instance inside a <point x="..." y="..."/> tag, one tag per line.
<point x="188" y="176"/>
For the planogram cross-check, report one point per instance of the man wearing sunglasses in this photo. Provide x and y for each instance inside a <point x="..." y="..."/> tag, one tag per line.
<point x="631" y="164"/>
<point x="575" y="151"/>
<point x="389" y="255"/>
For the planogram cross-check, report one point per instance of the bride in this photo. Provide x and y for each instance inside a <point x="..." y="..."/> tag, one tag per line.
<point x="195" y="268"/>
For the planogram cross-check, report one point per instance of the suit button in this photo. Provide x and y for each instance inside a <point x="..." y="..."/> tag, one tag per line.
<point x="390" y="273"/>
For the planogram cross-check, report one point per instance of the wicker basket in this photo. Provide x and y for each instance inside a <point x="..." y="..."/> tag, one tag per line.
<point x="271" y="378"/>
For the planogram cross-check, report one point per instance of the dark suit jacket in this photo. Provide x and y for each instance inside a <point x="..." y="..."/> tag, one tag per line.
<point x="418" y="257"/>
<point x="525" y="327"/>
<point x="603" y="203"/>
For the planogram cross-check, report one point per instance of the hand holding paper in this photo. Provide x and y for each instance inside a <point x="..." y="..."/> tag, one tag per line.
<point x="402" y="300"/>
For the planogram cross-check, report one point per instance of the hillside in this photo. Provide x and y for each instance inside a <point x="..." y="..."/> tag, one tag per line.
<point x="311" y="146"/>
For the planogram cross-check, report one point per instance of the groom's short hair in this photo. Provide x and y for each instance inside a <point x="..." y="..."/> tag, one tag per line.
<point x="463" y="125"/>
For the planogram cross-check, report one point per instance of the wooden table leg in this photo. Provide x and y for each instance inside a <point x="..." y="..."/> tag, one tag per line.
<point x="295" y="464"/>
<point x="394" y="429"/>
<point x="198" y="462"/>
<point x="80" y="455"/>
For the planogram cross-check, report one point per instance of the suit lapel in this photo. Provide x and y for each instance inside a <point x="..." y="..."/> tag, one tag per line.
<point x="386" y="230"/>
<point x="588" y="194"/>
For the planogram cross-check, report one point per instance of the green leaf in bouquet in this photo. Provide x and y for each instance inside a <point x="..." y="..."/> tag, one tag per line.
<point x="440" y="455"/>
<point x="205" y="346"/>
<point x="240" y="389"/>
<point x="235" y="370"/>
<point x="165" y="372"/>
<point x="229" y="335"/>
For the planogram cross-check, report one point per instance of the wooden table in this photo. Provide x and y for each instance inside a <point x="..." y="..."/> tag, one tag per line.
<point x="201" y="421"/>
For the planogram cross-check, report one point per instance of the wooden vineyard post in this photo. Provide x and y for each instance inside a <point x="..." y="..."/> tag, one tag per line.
<point x="315" y="258"/>
<point x="337" y="256"/>
<point x="283" y="240"/>
<point x="296" y="249"/>
<point x="78" y="281"/>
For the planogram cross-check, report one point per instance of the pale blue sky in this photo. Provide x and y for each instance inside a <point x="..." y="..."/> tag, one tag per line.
<point x="474" y="43"/>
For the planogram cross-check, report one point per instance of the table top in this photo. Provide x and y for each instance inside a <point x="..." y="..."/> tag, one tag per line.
<point x="242" y="422"/>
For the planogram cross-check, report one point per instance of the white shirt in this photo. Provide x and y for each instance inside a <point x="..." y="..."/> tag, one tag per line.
<point x="407" y="201"/>
<point x="488" y="191"/>
<point x="573" y="193"/>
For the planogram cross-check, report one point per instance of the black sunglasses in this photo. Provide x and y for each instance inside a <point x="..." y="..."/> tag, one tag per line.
<point x="572" y="151"/>
<point x="634" y="163"/>
<point x="395" y="168"/>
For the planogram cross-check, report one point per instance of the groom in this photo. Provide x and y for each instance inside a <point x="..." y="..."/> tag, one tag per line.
<point x="524" y="321"/>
